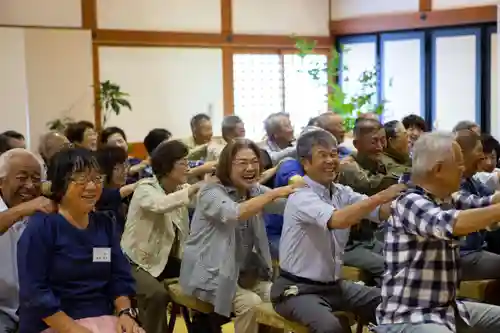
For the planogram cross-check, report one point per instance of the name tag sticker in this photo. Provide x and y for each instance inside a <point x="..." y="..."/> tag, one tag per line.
<point x="102" y="254"/>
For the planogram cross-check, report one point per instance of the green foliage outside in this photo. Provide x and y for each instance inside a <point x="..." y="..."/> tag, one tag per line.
<point x="349" y="107"/>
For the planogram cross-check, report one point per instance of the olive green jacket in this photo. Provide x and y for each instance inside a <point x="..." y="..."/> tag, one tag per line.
<point x="396" y="163"/>
<point x="366" y="176"/>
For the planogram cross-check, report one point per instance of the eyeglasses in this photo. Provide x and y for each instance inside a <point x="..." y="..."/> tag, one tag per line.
<point x="84" y="180"/>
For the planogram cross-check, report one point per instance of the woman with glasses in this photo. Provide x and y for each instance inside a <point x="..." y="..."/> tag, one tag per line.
<point x="156" y="228"/>
<point x="226" y="258"/>
<point x="113" y="162"/>
<point x="82" y="134"/>
<point x="73" y="276"/>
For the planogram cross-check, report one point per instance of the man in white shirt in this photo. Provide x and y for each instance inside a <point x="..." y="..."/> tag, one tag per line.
<point x="20" y="187"/>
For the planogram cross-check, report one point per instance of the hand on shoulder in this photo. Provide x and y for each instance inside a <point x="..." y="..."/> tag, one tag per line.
<point x="41" y="204"/>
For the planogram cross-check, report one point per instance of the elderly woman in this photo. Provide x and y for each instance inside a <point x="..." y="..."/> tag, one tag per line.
<point x="73" y="275"/>
<point x="226" y="255"/>
<point x="82" y="134"/>
<point x="157" y="225"/>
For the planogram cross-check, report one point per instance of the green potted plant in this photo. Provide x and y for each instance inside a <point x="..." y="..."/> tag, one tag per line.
<point x="112" y="99"/>
<point x="59" y="124"/>
<point x="349" y="107"/>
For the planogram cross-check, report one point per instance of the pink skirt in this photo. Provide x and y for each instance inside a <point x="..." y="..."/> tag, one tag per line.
<point x="103" y="324"/>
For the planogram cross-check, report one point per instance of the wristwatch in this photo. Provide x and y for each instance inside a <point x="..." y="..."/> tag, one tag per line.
<point x="131" y="312"/>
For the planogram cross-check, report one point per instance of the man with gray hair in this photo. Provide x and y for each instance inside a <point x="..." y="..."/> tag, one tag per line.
<point x="279" y="143"/>
<point x="20" y="186"/>
<point x="51" y="143"/>
<point x="290" y="168"/>
<point x="422" y="243"/>
<point x="467" y="125"/>
<point x="287" y="170"/>
<point x="317" y="220"/>
<point x="232" y="127"/>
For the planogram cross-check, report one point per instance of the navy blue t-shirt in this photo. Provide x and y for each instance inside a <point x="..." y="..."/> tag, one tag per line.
<point x="61" y="270"/>
<point x="112" y="201"/>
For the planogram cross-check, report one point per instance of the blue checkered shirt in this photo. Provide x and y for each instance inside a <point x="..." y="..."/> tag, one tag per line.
<point x="422" y="259"/>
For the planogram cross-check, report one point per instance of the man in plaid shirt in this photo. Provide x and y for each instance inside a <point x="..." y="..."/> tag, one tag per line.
<point x="422" y="265"/>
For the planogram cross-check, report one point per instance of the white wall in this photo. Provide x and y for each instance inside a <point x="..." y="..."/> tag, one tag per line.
<point x="494" y="116"/>
<point x="171" y="15"/>
<point x="281" y="17"/>
<point x="167" y="86"/>
<point x="13" y="85"/>
<point x="46" y="74"/>
<point x="448" y="4"/>
<point x="52" y="13"/>
<point x="343" y="9"/>
<point x="59" y="72"/>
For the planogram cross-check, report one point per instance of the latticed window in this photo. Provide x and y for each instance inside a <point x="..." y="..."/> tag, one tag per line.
<point x="269" y="83"/>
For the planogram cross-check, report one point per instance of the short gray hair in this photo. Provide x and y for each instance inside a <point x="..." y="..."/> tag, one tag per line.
<point x="315" y="137"/>
<point x="8" y="155"/>
<point x="430" y="149"/>
<point x="46" y="140"/>
<point x="229" y="124"/>
<point x="464" y="125"/>
<point x="272" y="125"/>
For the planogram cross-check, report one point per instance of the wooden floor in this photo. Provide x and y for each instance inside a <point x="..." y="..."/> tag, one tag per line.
<point x="180" y="326"/>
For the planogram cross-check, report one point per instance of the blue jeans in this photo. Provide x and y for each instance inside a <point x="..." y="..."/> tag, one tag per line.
<point x="484" y="318"/>
<point x="7" y="324"/>
<point x="274" y="248"/>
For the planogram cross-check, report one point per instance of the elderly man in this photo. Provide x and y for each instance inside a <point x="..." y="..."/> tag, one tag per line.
<point x="397" y="153"/>
<point x="279" y="143"/>
<point x="316" y="226"/>
<point x="467" y="125"/>
<point x="51" y="143"/>
<point x="366" y="173"/>
<point x="202" y="136"/>
<point x="477" y="263"/>
<point x="421" y="279"/>
<point x="290" y="168"/>
<point x="20" y="186"/>
<point x="232" y="127"/>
